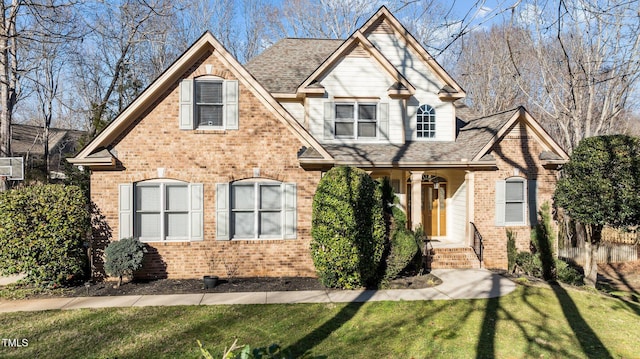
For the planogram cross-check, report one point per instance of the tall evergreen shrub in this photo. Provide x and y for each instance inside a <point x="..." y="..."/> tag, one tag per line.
<point x="43" y="230"/>
<point x="348" y="228"/>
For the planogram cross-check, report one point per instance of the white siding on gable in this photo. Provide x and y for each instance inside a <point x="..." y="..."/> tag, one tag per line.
<point x="445" y="118"/>
<point x="296" y="109"/>
<point x="357" y="79"/>
<point x="424" y="80"/>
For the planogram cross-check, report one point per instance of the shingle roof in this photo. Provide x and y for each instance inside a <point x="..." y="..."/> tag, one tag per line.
<point x="473" y="136"/>
<point x="285" y="65"/>
<point x="28" y="139"/>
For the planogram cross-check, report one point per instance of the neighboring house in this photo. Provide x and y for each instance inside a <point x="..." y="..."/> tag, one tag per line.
<point x="215" y="164"/>
<point x="27" y="141"/>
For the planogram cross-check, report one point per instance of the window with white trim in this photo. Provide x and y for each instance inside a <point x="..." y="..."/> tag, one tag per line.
<point x="208" y="103"/>
<point x="161" y="210"/>
<point x="356" y="120"/>
<point x="426" y="122"/>
<point x="514" y="196"/>
<point x="256" y="209"/>
<point x="515" y="205"/>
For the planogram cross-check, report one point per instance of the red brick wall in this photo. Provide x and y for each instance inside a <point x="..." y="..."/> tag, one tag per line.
<point x="209" y="157"/>
<point x="519" y="149"/>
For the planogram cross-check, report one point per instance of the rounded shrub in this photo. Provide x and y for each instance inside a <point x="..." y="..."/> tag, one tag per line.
<point x="404" y="249"/>
<point x="43" y="230"/>
<point x="348" y="229"/>
<point x="124" y="257"/>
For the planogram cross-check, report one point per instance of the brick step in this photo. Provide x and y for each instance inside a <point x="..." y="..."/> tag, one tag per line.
<point x="452" y="258"/>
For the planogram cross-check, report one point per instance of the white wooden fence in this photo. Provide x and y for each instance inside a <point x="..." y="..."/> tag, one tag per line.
<point x="607" y="253"/>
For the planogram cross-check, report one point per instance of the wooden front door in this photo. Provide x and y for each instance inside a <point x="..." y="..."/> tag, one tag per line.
<point x="434" y="211"/>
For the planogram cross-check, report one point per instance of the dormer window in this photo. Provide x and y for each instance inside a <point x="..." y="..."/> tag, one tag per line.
<point x="426" y="122"/>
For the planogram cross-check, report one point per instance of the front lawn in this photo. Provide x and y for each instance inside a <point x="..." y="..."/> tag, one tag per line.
<point x="531" y="322"/>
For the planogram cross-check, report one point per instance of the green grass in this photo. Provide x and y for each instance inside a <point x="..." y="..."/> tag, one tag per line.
<point x="532" y="322"/>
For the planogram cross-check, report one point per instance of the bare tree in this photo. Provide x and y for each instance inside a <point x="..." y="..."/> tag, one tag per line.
<point x="24" y="25"/>
<point x="106" y="64"/>
<point x="487" y="71"/>
<point x="325" y="18"/>
<point x="54" y="33"/>
<point x="8" y="76"/>
<point x="587" y="59"/>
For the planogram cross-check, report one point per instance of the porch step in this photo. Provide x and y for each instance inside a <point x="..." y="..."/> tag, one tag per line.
<point x="452" y="258"/>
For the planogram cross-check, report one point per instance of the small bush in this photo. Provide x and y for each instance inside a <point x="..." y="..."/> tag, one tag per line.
<point x="529" y="264"/>
<point x="404" y="250"/>
<point x="543" y="240"/>
<point x="568" y="274"/>
<point x="348" y="229"/>
<point x="43" y="230"/>
<point x="124" y="257"/>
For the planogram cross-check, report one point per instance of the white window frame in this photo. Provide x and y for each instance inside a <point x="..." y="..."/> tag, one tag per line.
<point x="523" y="202"/>
<point x="196" y="104"/>
<point x="162" y="211"/>
<point x="355" y="120"/>
<point x="426" y="116"/>
<point x="256" y="210"/>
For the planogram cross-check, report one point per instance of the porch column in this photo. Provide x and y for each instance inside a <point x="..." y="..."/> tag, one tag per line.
<point x="416" y="198"/>
<point x="469" y="178"/>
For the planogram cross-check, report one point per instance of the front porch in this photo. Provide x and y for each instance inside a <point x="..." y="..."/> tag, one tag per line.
<point x="440" y="203"/>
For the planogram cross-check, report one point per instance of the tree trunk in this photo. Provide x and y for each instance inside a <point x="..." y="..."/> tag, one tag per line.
<point x="590" y="265"/>
<point x="591" y="238"/>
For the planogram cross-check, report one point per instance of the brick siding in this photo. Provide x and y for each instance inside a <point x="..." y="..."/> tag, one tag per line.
<point x="518" y="150"/>
<point x="155" y="141"/>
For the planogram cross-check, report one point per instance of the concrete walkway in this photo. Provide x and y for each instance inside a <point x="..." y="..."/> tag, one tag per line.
<point x="456" y="284"/>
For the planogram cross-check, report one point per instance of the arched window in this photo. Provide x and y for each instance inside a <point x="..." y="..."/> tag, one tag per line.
<point x="426" y="122"/>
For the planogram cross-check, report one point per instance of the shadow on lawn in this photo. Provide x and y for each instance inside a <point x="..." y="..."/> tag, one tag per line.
<point x="589" y="341"/>
<point x="323" y="331"/>
<point x="486" y="341"/>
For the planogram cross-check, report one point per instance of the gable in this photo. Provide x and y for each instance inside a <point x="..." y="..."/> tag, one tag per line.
<point x="191" y="64"/>
<point x="396" y="43"/>
<point x="359" y="47"/>
<point x="526" y="136"/>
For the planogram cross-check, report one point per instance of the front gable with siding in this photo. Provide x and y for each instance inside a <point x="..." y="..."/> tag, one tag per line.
<point x="457" y="175"/>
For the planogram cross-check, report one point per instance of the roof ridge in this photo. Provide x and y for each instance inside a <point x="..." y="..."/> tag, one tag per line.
<point x="511" y="110"/>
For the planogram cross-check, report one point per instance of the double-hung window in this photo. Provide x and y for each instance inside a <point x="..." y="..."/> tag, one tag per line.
<point x="514" y="201"/>
<point x="256" y="210"/>
<point x="514" y="197"/>
<point x="161" y="210"/>
<point x="209" y="104"/>
<point x="356" y="120"/>
<point x="261" y="209"/>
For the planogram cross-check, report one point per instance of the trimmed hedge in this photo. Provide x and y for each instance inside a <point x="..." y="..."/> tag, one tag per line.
<point x="42" y="232"/>
<point x="348" y="229"/>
